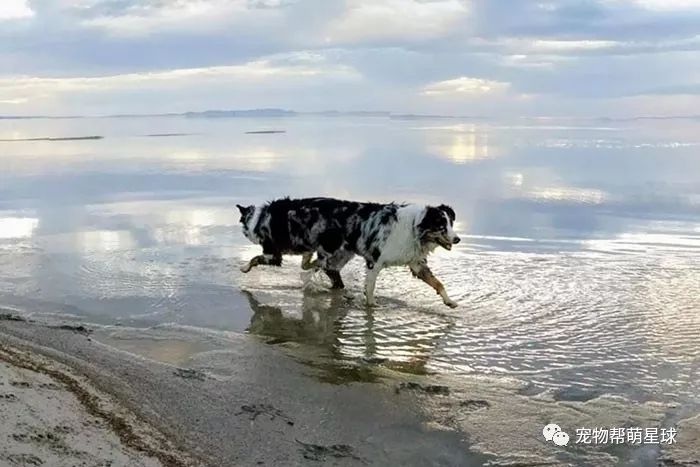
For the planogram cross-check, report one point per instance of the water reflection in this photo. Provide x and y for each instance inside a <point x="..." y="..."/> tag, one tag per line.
<point x="579" y="270"/>
<point x="317" y="323"/>
<point x="460" y="144"/>
<point x="17" y="227"/>
<point x="103" y="241"/>
<point x="348" y="333"/>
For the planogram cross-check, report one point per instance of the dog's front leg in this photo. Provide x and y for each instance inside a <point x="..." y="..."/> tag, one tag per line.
<point x="423" y="272"/>
<point x="265" y="258"/>
<point x="370" y="281"/>
<point x="251" y="264"/>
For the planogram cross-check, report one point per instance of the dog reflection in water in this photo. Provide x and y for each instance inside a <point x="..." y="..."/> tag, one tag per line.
<point x="325" y="323"/>
<point x="317" y="325"/>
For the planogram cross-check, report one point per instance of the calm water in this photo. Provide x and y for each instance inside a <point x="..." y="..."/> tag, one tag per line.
<point x="578" y="273"/>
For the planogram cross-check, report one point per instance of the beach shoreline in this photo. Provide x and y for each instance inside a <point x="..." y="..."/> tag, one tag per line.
<point x="249" y="405"/>
<point x="242" y="401"/>
<point x="53" y="416"/>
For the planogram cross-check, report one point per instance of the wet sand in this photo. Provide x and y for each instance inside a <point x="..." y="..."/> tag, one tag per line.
<point x="247" y="405"/>
<point x="53" y="416"/>
<point x="242" y="401"/>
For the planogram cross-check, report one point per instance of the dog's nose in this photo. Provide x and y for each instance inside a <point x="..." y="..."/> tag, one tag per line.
<point x="456" y="240"/>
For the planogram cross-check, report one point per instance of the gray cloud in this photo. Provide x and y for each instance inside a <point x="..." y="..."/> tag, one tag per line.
<point x="564" y="56"/>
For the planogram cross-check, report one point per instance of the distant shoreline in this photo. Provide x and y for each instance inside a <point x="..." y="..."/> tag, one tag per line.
<point x="283" y="113"/>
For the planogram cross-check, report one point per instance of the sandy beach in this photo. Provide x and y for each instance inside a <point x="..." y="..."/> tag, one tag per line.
<point x="54" y="417"/>
<point x="72" y="400"/>
<point x="268" y="409"/>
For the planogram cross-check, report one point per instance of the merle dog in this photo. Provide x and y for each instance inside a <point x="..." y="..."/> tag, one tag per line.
<point x="336" y="230"/>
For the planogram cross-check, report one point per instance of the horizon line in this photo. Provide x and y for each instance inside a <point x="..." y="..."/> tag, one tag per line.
<point x="286" y="113"/>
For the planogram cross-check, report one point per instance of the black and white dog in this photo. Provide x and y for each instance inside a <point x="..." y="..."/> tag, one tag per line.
<point x="336" y="230"/>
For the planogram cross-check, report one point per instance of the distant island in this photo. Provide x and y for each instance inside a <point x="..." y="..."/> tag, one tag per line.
<point x="432" y="117"/>
<point x="257" y="113"/>
<point x="63" y="138"/>
<point x="284" y="113"/>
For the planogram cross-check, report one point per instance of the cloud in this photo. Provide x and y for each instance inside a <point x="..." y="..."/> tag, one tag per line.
<point x="669" y="5"/>
<point x="675" y="90"/>
<point x="16" y="100"/>
<point x="257" y="70"/>
<point x="99" y="56"/>
<point x="465" y="86"/>
<point x="569" y="45"/>
<point x="286" y="72"/>
<point x="146" y="17"/>
<point x="371" y="20"/>
<point x="15" y="9"/>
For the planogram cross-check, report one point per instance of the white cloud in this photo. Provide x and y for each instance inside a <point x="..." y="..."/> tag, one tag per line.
<point x="465" y="86"/>
<point x="572" y="45"/>
<point x="14" y="9"/>
<point x="282" y="71"/>
<point x="365" y="20"/>
<point x="533" y="61"/>
<point x="145" y="18"/>
<point x="15" y="101"/>
<point x="365" y="54"/>
<point x="669" y="4"/>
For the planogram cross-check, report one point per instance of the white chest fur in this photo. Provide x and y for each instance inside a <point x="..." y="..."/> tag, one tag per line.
<point x="402" y="245"/>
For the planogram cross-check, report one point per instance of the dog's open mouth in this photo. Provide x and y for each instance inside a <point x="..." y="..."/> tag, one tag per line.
<point x="445" y="244"/>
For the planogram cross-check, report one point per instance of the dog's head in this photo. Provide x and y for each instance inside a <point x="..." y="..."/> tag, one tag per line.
<point x="246" y="220"/>
<point x="436" y="226"/>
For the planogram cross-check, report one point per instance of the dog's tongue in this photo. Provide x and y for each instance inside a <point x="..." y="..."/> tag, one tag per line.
<point x="447" y="246"/>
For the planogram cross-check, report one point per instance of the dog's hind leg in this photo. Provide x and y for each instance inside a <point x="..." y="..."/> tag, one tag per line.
<point x="266" y="258"/>
<point x="334" y="263"/>
<point x="336" y="280"/>
<point x="423" y="272"/>
<point x="306" y="262"/>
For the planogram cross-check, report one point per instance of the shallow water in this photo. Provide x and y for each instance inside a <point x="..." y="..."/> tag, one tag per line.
<point x="577" y="275"/>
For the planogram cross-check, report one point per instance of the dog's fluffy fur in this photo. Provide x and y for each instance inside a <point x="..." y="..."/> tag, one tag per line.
<point x="336" y="230"/>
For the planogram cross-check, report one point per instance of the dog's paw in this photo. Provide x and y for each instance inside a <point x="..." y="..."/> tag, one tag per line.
<point x="246" y="268"/>
<point x="451" y="303"/>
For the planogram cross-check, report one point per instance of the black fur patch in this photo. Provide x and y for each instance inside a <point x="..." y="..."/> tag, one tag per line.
<point x="433" y="222"/>
<point x="447" y="209"/>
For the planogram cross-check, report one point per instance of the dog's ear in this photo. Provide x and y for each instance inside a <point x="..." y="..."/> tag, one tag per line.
<point x="448" y="210"/>
<point x="243" y="209"/>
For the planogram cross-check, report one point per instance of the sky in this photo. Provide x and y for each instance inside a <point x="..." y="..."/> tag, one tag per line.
<point x="579" y="58"/>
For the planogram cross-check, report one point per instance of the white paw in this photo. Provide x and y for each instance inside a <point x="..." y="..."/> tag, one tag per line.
<point x="246" y="268"/>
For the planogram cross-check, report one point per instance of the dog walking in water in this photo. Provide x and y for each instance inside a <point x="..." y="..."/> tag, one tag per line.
<point x="336" y="230"/>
